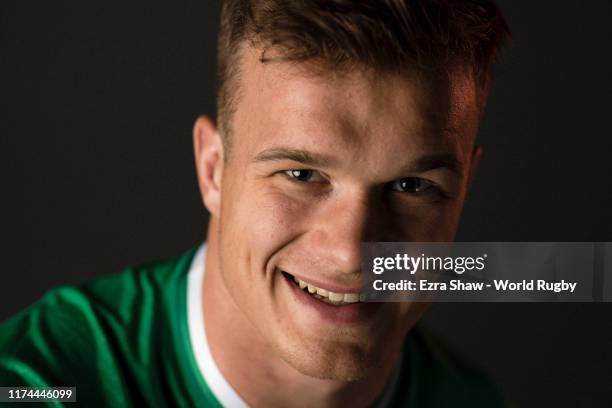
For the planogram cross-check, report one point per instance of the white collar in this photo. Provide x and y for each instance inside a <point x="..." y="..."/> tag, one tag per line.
<point x="218" y="385"/>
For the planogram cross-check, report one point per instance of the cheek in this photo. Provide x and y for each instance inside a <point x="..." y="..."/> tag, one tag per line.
<point x="427" y="223"/>
<point x="258" y="223"/>
<point x="276" y="219"/>
<point x="279" y="217"/>
<point x="260" y="220"/>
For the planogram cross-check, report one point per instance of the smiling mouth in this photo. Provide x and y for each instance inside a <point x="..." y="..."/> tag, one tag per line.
<point x="324" y="295"/>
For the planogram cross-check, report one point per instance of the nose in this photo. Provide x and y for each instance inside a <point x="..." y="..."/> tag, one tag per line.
<point x="343" y="224"/>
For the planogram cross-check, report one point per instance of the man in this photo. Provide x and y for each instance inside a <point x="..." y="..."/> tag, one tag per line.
<point x="339" y="122"/>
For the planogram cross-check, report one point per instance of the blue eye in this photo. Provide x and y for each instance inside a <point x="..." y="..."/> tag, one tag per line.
<point x="300" y="175"/>
<point x="411" y="185"/>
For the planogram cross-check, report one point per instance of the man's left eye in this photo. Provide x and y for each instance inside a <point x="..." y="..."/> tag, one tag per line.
<point x="411" y="185"/>
<point x="304" y="175"/>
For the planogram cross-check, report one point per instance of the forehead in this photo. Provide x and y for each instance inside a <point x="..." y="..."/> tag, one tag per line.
<point x="361" y="112"/>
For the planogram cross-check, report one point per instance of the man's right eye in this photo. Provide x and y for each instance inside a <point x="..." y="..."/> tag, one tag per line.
<point x="304" y="175"/>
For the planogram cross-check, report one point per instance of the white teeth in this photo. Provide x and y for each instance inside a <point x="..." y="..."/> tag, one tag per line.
<point x="336" y="298"/>
<point x="322" y="292"/>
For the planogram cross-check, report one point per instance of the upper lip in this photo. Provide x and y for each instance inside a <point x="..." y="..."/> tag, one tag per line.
<point x="331" y="287"/>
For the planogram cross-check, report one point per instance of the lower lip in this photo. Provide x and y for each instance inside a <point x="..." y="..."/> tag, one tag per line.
<point x="353" y="313"/>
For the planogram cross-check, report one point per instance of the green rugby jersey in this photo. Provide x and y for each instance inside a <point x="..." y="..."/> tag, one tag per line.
<point x="123" y="341"/>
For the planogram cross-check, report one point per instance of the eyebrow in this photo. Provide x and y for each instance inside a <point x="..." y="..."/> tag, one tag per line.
<point x="436" y="161"/>
<point x="423" y="164"/>
<point x="300" y="156"/>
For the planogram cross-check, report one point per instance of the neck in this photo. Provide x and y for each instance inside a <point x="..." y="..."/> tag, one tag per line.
<point x="254" y="369"/>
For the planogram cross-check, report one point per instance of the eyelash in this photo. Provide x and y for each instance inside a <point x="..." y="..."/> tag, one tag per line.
<point x="430" y="187"/>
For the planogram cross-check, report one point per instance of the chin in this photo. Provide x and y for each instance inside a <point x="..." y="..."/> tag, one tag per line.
<point x="332" y="361"/>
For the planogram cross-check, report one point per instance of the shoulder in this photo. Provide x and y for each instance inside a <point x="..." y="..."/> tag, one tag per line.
<point x="436" y="376"/>
<point x="96" y="334"/>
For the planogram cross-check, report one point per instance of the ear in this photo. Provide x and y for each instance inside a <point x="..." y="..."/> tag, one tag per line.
<point x="474" y="163"/>
<point x="208" y="150"/>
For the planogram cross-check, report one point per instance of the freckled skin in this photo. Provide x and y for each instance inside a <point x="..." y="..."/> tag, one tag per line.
<point x="371" y="127"/>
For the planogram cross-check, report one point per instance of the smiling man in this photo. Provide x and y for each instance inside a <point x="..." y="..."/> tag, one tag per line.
<point x="339" y="122"/>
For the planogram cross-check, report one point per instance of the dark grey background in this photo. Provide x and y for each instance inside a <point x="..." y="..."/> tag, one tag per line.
<point x="97" y="100"/>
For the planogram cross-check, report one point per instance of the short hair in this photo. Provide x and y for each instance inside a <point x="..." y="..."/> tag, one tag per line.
<point x="384" y="35"/>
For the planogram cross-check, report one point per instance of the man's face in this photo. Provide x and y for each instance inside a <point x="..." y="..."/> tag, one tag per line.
<point x="320" y="163"/>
